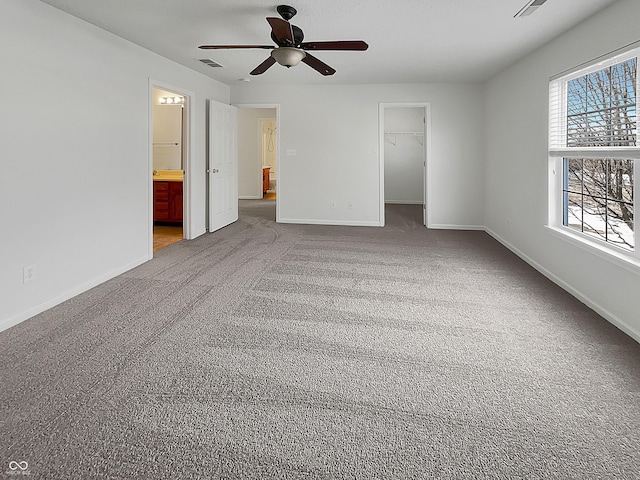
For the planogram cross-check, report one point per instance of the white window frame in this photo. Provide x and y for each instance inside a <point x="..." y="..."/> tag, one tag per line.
<point x="558" y="151"/>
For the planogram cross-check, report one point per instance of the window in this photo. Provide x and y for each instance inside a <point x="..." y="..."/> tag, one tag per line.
<point x="598" y="199"/>
<point x="594" y="151"/>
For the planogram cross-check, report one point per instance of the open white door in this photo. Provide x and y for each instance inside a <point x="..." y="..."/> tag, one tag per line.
<point x="426" y="140"/>
<point x="223" y="165"/>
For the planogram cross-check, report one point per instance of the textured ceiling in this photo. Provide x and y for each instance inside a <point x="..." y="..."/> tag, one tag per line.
<point x="410" y="41"/>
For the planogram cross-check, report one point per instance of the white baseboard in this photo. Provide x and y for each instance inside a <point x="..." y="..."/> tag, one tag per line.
<point x="603" y="312"/>
<point x="77" y="290"/>
<point x="404" y="202"/>
<point x="344" y="223"/>
<point x="248" y="197"/>
<point x="446" y="226"/>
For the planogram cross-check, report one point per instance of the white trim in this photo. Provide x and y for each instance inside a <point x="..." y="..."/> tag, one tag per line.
<point x="447" y="226"/>
<point x="603" y="312"/>
<point x="618" y="153"/>
<point x="428" y="140"/>
<point x="333" y="222"/>
<point x="403" y="202"/>
<point x="380" y="153"/>
<point x="248" y="197"/>
<point x="69" y="294"/>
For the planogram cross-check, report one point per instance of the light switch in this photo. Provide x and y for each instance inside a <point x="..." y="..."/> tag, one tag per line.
<point x="291" y="152"/>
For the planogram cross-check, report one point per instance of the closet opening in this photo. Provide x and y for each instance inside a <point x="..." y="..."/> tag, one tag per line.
<point x="404" y="164"/>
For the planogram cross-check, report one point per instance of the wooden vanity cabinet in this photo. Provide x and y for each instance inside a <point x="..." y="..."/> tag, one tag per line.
<point x="265" y="179"/>
<point x="175" y="202"/>
<point x="167" y="201"/>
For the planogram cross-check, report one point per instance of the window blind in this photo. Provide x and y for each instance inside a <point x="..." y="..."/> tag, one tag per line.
<point x="595" y="108"/>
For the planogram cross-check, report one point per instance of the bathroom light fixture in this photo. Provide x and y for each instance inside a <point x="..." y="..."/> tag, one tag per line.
<point x="288" y="56"/>
<point x="171" y="100"/>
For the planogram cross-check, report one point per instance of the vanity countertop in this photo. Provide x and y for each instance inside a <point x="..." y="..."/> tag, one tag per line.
<point x="168" y="175"/>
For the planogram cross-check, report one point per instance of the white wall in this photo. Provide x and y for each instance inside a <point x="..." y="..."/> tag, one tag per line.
<point x="249" y="150"/>
<point x="404" y="155"/>
<point x="516" y="166"/>
<point x="334" y="131"/>
<point x="76" y="178"/>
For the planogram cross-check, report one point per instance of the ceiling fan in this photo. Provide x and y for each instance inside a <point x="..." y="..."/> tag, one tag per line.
<point x="290" y="50"/>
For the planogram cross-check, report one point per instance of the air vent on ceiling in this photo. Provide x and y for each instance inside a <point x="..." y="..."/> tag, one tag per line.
<point x="530" y="7"/>
<point x="211" y="63"/>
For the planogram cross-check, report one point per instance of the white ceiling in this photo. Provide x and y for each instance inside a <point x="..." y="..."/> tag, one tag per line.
<point x="410" y="41"/>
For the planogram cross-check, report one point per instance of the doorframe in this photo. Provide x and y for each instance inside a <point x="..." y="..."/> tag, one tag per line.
<point x="275" y="106"/>
<point x="187" y="148"/>
<point x="426" y="180"/>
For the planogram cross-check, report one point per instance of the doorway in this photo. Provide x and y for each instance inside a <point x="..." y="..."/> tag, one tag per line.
<point x="268" y="154"/>
<point x="404" y="157"/>
<point x="169" y="114"/>
<point x="258" y="153"/>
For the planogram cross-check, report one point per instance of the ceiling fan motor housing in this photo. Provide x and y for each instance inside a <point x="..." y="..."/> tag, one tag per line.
<point x="286" y="11"/>
<point x="298" y="37"/>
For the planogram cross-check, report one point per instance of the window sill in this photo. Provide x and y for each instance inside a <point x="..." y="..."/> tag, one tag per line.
<point x="627" y="261"/>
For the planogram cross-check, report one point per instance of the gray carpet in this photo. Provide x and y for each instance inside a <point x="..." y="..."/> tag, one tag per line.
<point x="288" y="351"/>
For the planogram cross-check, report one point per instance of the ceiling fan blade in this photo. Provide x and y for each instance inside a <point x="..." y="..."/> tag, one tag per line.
<point x="318" y="65"/>
<point x="221" y="47"/>
<point x="282" y="31"/>
<point x="263" y="67"/>
<point x="357" y="45"/>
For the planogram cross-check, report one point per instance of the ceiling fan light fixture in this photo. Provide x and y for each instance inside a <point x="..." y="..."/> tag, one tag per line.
<point x="288" y="56"/>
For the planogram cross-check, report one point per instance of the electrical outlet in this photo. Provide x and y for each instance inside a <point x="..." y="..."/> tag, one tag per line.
<point x="349" y="205"/>
<point x="333" y="204"/>
<point x="28" y="273"/>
